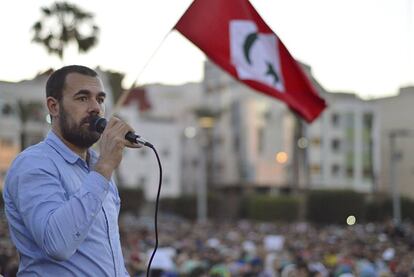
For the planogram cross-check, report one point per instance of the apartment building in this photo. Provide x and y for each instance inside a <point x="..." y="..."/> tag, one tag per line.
<point x="166" y="116"/>
<point x="343" y="144"/>
<point x="397" y="129"/>
<point x="256" y="143"/>
<point x="10" y="134"/>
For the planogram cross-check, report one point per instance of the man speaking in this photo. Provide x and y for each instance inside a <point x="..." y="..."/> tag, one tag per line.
<point x="60" y="201"/>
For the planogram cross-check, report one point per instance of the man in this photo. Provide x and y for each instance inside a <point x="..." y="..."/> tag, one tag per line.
<point x="61" y="204"/>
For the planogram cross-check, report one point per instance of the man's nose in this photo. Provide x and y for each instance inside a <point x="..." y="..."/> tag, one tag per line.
<point x="94" y="106"/>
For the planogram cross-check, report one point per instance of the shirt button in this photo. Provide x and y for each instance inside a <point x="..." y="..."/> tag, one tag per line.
<point x="77" y="235"/>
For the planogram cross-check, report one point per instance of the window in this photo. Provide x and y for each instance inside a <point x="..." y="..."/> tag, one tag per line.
<point x="335" y="170"/>
<point x="367" y="120"/>
<point x="219" y="140"/>
<point x="260" y="140"/>
<point x="336" y="145"/>
<point x="367" y="172"/>
<point x="219" y="166"/>
<point x="350" y="172"/>
<point x="195" y="162"/>
<point x="350" y="163"/>
<point x="236" y="143"/>
<point x="6" y="142"/>
<point x="335" y="119"/>
<point x="7" y="109"/>
<point x="315" y="169"/>
<point x="315" y="141"/>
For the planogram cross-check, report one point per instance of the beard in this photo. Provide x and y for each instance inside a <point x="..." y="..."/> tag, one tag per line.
<point x="79" y="135"/>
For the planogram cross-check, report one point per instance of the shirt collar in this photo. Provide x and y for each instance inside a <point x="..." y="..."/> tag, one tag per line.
<point x="71" y="157"/>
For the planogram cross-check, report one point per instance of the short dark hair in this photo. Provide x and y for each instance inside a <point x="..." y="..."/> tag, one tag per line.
<point x="56" y="82"/>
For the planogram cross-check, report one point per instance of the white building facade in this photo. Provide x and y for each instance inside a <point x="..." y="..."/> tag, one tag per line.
<point x="344" y="145"/>
<point x="250" y="131"/>
<point x="256" y="144"/>
<point x="170" y="125"/>
<point x="396" y="115"/>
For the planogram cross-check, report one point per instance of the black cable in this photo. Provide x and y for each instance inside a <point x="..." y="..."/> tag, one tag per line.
<point x="156" y="210"/>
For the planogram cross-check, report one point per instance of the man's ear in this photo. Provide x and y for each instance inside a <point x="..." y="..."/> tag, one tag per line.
<point x="53" y="106"/>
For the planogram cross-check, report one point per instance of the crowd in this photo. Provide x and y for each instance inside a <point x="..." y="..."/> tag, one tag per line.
<point x="9" y="261"/>
<point x="262" y="249"/>
<point x="246" y="248"/>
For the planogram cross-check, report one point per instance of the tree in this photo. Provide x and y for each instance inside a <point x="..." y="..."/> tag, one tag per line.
<point x="63" y="23"/>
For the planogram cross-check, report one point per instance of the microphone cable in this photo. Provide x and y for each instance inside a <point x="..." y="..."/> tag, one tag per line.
<point x="156" y="209"/>
<point x="98" y="124"/>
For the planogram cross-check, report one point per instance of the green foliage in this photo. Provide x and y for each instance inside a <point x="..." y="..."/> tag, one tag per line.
<point x="62" y="23"/>
<point x="115" y="81"/>
<point x="131" y="199"/>
<point x="334" y="206"/>
<point x="272" y="208"/>
<point x="407" y="209"/>
<point x="380" y="209"/>
<point x="322" y="206"/>
<point x="186" y="206"/>
<point x="31" y="111"/>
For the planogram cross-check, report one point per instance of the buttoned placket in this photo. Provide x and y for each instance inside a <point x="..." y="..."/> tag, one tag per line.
<point x="109" y="228"/>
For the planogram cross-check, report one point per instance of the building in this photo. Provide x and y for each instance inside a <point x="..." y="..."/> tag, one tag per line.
<point x="166" y="116"/>
<point x="395" y="121"/>
<point x="343" y="144"/>
<point x="258" y="143"/>
<point x="10" y="133"/>
<point x="251" y="137"/>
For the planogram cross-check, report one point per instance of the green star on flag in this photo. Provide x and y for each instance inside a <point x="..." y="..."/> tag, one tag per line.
<point x="234" y="36"/>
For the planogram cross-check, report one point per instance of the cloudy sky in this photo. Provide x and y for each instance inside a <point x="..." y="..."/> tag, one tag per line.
<point x="361" y="46"/>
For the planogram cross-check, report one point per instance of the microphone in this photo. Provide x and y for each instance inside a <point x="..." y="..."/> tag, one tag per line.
<point x="98" y="124"/>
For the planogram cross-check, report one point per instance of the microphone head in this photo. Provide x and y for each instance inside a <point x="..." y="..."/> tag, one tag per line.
<point x="97" y="124"/>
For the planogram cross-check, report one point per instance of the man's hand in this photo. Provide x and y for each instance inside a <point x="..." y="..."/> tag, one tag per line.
<point x="111" y="146"/>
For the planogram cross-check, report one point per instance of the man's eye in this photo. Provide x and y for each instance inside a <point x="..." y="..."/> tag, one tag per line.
<point x="83" y="98"/>
<point x="101" y="100"/>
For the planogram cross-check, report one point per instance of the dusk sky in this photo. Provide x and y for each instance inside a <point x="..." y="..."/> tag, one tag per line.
<point x="360" y="46"/>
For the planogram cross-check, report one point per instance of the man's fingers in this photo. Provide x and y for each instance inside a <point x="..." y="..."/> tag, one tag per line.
<point x="118" y="128"/>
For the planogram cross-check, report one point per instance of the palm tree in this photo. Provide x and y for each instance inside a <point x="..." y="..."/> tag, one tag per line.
<point x="63" y="23"/>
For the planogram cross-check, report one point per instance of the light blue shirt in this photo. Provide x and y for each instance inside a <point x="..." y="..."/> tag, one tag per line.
<point x="63" y="217"/>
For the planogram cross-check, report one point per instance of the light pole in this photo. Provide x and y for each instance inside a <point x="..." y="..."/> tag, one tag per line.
<point x="394" y="158"/>
<point x="192" y="133"/>
<point x="206" y="120"/>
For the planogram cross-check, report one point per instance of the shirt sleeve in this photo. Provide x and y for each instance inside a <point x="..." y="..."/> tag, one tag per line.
<point x="58" y="225"/>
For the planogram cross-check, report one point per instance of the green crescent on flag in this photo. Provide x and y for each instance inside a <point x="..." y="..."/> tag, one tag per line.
<point x="234" y="36"/>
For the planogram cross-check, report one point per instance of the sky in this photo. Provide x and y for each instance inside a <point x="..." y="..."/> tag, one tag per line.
<point x="360" y="46"/>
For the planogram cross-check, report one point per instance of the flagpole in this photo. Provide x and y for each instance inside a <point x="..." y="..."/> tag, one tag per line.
<point x="125" y="93"/>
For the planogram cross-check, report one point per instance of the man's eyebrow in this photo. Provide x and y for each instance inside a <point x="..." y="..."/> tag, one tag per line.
<point x="87" y="93"/>
<point x="102" y="94"/>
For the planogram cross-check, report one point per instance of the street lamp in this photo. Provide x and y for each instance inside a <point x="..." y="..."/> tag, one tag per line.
<point x="281" y="157"/>
<point x="394" y="158"/>
<point x="191" y="132"/>
<point x="206" y="121"/>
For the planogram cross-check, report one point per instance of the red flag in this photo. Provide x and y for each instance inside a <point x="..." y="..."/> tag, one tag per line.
<point x="235" y="37"/>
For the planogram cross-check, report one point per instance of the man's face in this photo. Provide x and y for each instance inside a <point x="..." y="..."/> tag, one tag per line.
<point x="82" y="98"/>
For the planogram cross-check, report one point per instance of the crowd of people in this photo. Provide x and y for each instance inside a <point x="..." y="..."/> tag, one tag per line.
<point x="262" y="249"/>
<point x="9" y="261"/>
<point x="246" y="248"/>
